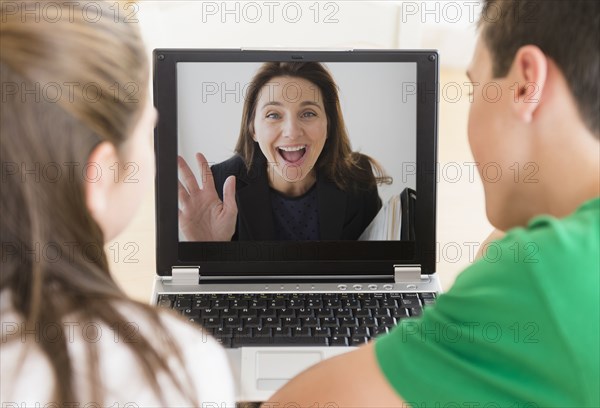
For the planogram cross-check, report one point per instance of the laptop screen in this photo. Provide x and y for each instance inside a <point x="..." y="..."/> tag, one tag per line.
<point x="323" y="148"/>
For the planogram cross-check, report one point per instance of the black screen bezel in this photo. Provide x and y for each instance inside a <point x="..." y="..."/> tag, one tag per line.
<point x="285" y="258"/>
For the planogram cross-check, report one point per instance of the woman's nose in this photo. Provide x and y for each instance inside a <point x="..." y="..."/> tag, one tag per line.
<point x="292" y="128"/>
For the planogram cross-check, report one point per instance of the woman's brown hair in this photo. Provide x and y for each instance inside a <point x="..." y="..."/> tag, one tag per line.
<point x="67" y="85"/>
<point x="350" y="171"/>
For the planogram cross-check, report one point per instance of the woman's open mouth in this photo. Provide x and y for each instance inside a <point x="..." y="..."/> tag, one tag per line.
<point x="293" y="154"/>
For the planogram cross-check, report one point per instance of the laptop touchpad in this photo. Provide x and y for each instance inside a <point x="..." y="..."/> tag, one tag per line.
<point x="275" y="368"/>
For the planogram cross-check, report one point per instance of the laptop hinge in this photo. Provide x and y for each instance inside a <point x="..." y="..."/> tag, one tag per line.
<point x="185" y="276"/>
<point x="407" y="273"/>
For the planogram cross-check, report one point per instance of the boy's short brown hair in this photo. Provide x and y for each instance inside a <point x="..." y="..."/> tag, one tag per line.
<point x="567" y="31"/>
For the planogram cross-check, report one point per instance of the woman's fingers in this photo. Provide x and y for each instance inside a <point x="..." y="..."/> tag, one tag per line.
<point x="189" y="180"/>
<point x="208" y="183"/>
<point x="183" y="194"/>
<point x="229" y="196"/>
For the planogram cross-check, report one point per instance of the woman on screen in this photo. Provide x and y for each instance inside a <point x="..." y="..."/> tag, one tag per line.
<point x="294" y="175"/>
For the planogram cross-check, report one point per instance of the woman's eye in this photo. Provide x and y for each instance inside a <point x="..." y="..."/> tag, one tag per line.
<point x="309" y="114"/>
<point x="273" y="115"/>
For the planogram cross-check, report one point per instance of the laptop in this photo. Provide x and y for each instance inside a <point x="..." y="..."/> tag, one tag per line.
<point x="280" y="304"/>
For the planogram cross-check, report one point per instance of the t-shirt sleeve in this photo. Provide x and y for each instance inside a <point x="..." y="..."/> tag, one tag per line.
<point x="489" y="340"/>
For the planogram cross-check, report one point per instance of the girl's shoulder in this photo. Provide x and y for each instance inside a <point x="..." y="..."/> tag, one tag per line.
<point x="28" y="374"/>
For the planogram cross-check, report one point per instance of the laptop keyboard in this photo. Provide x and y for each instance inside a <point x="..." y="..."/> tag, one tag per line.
<point x="297" y="319"/>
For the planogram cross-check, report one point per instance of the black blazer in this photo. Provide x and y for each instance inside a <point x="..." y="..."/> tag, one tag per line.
<point x="342" y="215"/>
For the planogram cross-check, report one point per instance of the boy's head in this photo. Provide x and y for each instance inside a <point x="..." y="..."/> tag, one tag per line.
<point x="534" y="123"/>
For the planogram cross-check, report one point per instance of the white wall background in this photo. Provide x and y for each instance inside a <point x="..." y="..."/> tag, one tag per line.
<point x="444" y="25"/>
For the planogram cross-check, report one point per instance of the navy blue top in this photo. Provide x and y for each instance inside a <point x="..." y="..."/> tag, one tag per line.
<point x="295" y="218"/>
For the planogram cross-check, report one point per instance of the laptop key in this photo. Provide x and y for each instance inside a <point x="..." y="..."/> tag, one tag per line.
<point x="314" y="304"/>
<point x="428" y="302"/>
<point x="212" y="322"/>
<point x="201" y="304"/>
<point x="338" y="341"/>
<point x="321" y="331"/>
<point x="358" y="341"/>
<point x="333" y="304"/>
<point x="389" y="303"/>
<point x="261" y="332"/>
<point x="329" y="322"/>
<point x="324" y="313"/>
<point x="242" y="332"/>
<point x="399" y="312"/>
<point x="303" y="313"/>
<point x="362" y="313"/>
<point x="296" y="304"/>
<point x="387" y="321"/>
<point x="239" y="304"/>
<point x="367" y="322"/>
<point x="339" y="313"/>
<point x="282" y="332"/>
<point x="348" y="322"/>
<point x="267" y="313"/>
<point x="340" y="332"/>
<point x="182" y="302"/>
<point x="271" y="322"/>
<point x="190" y="312"/>
<point x="301" y="331"/>
<point x="292" y="322"/>
<point x="251" y="322"/>
<point x="220" y="304"/>
<point x="416" y="311"/>
<point x="310" y="322"/>
<point x="277" y="304"/>
<point x="380" y="312"/>
<point x="225" y="313"/>
<point x="283" y="341"/>
<point x="248" y="313"/>
<point x="376" y="331"/>
<point x="370" y="304"/>
<point x="410" y="303"/>
<point x="232" y="322"/>
<point x="359" y="332"/>
<point x="258" y="304"/>
<point x="208" y="313"/>
<point x="283" y="313"/>
<point x="165" y="301"/>
<point x="350" y="303"/>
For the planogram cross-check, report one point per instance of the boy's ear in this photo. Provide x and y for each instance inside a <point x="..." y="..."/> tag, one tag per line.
<point x="529" y="72"/>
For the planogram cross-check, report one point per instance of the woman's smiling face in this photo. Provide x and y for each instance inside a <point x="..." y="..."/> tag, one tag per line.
<point x="290" y="126"/>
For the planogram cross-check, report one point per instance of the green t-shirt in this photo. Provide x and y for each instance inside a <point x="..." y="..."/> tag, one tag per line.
<point x="520" y="328"/>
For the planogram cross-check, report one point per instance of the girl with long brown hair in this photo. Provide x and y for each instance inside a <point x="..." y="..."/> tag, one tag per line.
<point x="75" y="108"/>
